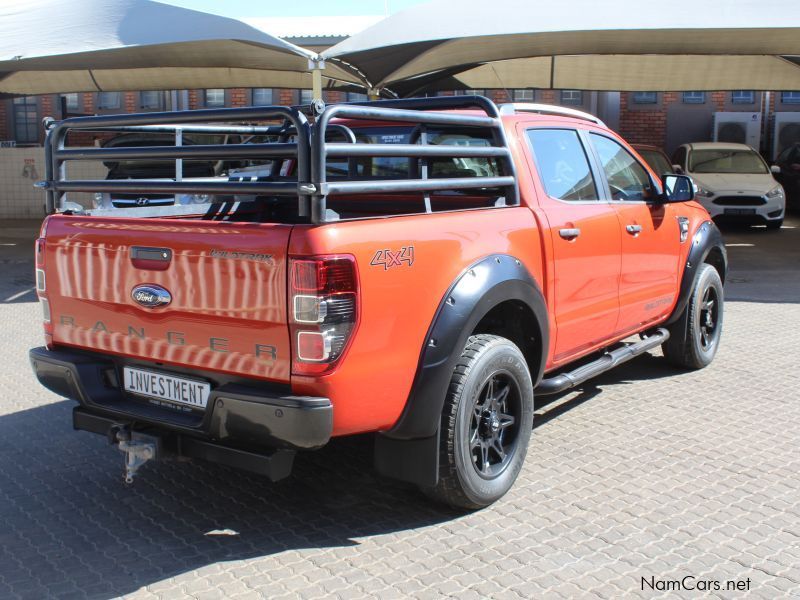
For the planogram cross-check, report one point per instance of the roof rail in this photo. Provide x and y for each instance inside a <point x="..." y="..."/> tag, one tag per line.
<point x="548" y="109"/>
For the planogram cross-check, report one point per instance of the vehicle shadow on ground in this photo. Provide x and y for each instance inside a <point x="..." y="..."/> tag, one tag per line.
<point x="70" y="527"/>
<point x="644" y="367"/>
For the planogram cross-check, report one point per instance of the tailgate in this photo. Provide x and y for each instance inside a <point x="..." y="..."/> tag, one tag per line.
<point x="225" y="284"/>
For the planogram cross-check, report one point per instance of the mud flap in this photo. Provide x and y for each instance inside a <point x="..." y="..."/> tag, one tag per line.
<point x="415" y="461"/>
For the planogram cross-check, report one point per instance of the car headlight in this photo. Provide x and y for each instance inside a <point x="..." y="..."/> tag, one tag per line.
<point x="703" y="192"/>
<point x="775" y="193"/>
<point x="194" y="199"/>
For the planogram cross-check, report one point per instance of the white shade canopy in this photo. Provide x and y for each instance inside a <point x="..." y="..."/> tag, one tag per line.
<point x="56" y="46"/>
<point x="583" y="44"/>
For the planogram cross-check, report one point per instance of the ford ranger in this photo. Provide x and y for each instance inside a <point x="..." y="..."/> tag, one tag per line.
<point x="418" y="269"/>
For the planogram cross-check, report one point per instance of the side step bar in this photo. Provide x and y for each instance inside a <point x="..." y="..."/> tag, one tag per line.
<point x="564" y="381"/>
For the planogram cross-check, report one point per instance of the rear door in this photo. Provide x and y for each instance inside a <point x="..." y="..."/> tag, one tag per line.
<point x="650" y="234"/>
<point x="585" y="238"/>
<point x="225" y="284"/>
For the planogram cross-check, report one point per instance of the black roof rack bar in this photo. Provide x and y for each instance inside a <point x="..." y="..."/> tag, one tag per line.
<point x="435" y="103"/>
<point x="414" y="185"/>
<point x="351" y="111"/>
<point x="416" y="150"/>
<point x="179" y="118"/>
<point x="124" y="186"/>
<point x="56" y="154"/>
<point x="216" y="151"/>
<point x="188" y="128"/>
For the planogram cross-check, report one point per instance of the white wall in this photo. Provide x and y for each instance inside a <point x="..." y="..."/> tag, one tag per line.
<point x="20" y="168"/>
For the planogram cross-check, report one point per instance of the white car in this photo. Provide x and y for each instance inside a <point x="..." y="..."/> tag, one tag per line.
<point x="733" y="181"/>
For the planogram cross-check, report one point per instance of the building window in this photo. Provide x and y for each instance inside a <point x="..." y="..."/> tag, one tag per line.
<point x="262" y="97"/>
<point x="574" y="97"/>
<point x="306" y="96"/>
<point x="790" y="97"/>
<point x="356" y="97"/>
<point x="694" y="97"/>
<point x="153" y="100"/>
<point x="645" y="97"/>
<point x="26" y="120"/>
<point x="108" y="100"/>
<point x="471" y="92"/>
<point x="71" y="100"/>
<point x="522" y="95"/>
<point x="743" y="97"/>
<point x="215" y="97"/>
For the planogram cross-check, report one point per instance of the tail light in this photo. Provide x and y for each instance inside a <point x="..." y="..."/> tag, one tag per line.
<point x="323" y="311"/>
<point x="41" y="288"/>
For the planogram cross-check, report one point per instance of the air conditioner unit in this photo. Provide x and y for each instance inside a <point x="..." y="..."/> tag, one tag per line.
<point x="738" y="127"/>
<point x="785" y="131"/>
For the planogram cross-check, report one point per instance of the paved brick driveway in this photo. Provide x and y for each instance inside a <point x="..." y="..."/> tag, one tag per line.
<point x="644" y="473"/>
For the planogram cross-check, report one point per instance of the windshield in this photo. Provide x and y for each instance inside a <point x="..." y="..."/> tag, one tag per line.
<point x="657" y="161"/>
<point x="726" y="161"/>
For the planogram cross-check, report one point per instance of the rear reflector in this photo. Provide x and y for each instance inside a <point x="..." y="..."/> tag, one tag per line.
<point x="45" y="309"/>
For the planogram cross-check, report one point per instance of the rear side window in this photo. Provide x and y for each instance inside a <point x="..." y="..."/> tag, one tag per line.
<point x="627" y="179"/>
<point x="562" y="164"/>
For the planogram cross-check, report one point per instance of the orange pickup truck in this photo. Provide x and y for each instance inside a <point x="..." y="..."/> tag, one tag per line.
<point x="419" y="269"/>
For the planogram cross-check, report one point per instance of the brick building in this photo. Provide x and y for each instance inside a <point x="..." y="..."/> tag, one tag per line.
<point x="663" y="119"/>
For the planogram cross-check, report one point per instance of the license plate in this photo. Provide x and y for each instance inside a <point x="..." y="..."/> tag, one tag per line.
<point x="740" y="211"/>
<point x="160" y="386"/>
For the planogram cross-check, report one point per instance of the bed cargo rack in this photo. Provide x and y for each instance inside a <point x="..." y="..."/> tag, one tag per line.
<point x="296" y="139"/>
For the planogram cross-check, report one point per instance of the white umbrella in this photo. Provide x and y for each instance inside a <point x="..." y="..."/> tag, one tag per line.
<point x="56" y="46"/>
<point x="585" y="44"/>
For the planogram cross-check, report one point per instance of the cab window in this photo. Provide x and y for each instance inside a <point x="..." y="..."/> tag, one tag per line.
<point x="562" y="164"/>
<point x="627" y="179"/>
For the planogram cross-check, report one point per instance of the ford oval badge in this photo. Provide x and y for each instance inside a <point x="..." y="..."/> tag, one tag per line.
<point x="151" y="296"/>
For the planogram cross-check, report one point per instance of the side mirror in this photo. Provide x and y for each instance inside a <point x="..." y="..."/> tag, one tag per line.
<point x="677" y="188"/>
<point x="775" y="169"/>
<point x="678" y="169"/>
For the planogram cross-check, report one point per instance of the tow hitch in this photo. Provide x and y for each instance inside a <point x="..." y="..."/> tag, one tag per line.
<point x="138" y="448"/>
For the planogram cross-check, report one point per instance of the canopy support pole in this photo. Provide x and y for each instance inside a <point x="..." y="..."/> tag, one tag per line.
<point x="316" y="67"/>
<point x="373" y="93"/>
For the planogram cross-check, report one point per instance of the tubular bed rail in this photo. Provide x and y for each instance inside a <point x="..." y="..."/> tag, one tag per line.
<point x="309" y="147"/>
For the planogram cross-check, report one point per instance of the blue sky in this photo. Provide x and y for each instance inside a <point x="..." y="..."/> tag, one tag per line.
<point x="294" y="8"/>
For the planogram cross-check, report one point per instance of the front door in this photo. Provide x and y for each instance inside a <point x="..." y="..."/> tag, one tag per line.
<point x="650" y="235"/>
<point x="585" y="238"/>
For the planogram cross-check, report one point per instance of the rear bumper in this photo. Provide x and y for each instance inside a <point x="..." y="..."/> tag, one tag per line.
<point x="242" y="415"/>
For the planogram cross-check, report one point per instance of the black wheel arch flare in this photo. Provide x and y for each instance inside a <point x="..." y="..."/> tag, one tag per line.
<point x="409" y="450"/>
<point x="706" y="239"/>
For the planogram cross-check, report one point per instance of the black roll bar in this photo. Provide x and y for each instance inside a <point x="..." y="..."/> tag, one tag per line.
<point x="196" y="121"/>
<point x="420" y="111"/>
<point x="296" y="140"/>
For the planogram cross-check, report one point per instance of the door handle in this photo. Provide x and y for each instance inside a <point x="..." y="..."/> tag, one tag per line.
<point x="569" y="233"/>
<point x="633" y="229"/>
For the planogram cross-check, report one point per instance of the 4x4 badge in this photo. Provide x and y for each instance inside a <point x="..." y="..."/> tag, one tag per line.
<point x="151" y="296"/>
<point x="390" y="258"/>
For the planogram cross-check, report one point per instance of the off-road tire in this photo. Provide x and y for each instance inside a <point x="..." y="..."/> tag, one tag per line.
<point x="489" y="363"/>
<point x="692" y="343"/>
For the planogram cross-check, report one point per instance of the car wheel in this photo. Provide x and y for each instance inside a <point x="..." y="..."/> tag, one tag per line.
<point x="694" y="337"/>
<point x="773" y="225"/>
<point x="486" y="424"/>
